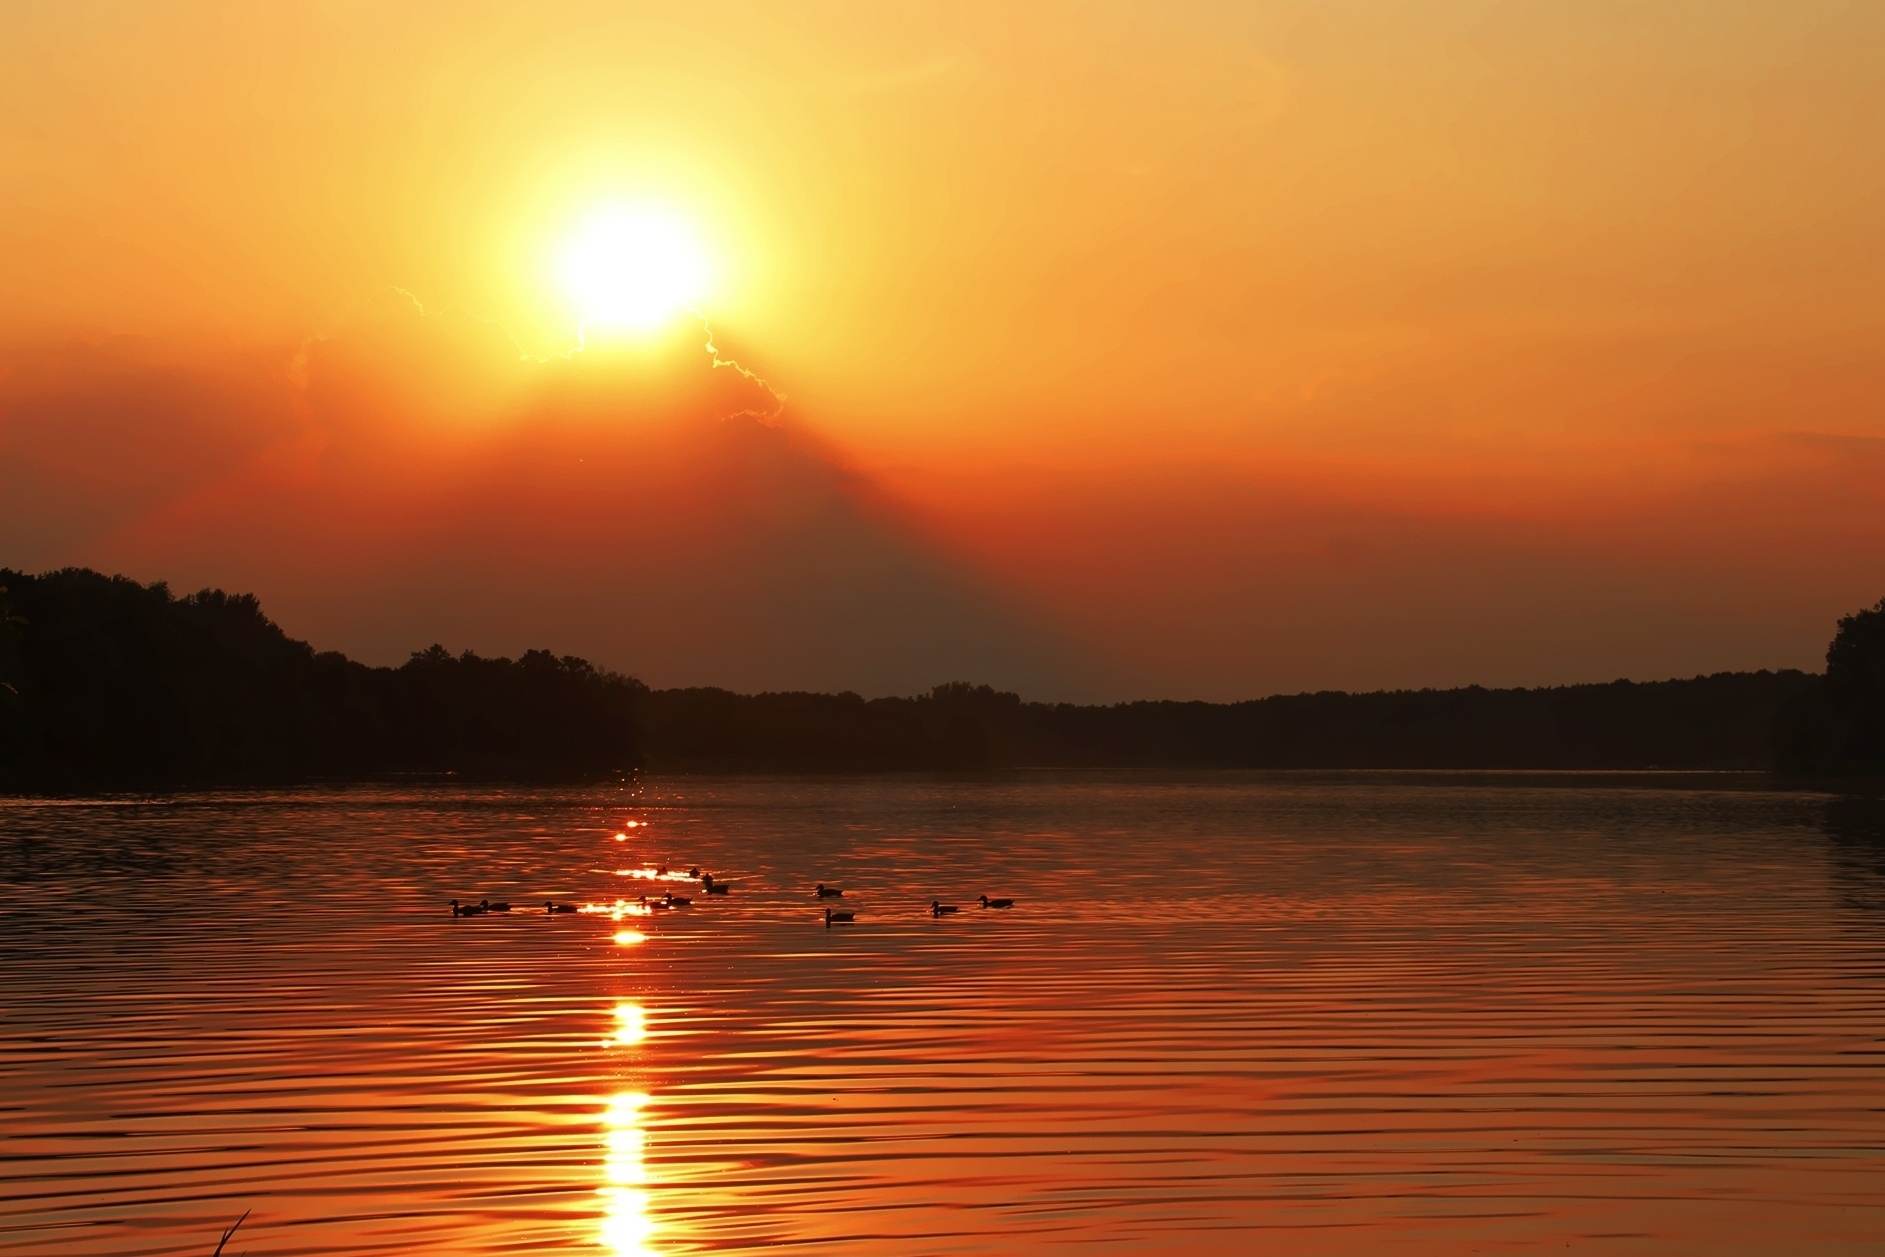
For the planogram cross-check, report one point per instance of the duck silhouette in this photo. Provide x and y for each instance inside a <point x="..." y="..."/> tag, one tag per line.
<point x="552" y="907"/>
<point x="838" y="918"/>
<point x="488" y="906"/>
<point x="939" y="909"/>
<point x="678" y="901"/>
<point x="996" y="903"/>
<point x="827" y="892"/>
<point x="467" y="910"/>
<point x="713" y="887"/>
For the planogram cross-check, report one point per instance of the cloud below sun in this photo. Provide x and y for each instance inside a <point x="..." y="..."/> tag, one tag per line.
<point x="411" y="477"/>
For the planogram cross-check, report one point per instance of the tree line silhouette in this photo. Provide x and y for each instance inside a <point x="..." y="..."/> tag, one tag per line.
<point x="1837" y="727"/>
<point x="106" y="683"/>
<point x="120" y="685"/>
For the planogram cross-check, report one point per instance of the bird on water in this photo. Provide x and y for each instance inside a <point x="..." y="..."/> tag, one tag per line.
<point x="467" y="910"/>
<point x="838" y="918"/>
<point x="939" y="909"/>
<point x="553" y="908"/>
<point x="827" y="892"/>
<point x="996" y="903"/>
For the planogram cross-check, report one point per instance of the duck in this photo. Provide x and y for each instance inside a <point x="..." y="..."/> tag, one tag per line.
<point x="552" y="907"/>
<point x="996" y="903"/>
<point x="488" y="906"/>
<point x="679" y="901"/>
<point x="713" y="887"/>
<point x="467" y="910"/>
<point x="659" y="905"/>
<point x="694" y="872"/>
<point x="827" y="892"/>
<point x="939" y="909"/>
<point x="838" y="918"/>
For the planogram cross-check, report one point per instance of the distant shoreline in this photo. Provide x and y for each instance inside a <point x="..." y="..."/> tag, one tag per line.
<point x="111" y="685"/>
<point x="1733" y="780"/>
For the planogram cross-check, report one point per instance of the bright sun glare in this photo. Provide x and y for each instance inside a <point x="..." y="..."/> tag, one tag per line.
<point x="632" y="269"/>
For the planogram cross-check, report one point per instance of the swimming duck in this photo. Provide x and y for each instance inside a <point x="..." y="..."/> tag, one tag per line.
<point x="488" y="906"/>
<point x="679" y="901"/>
<point x="838" y="918"/>
<point x="827" y="892"/>
<point x="467" y="910"/>
<point x="996" y="903"/>
<point x="658" y="905"/>
<point x="553" y="908"/>
<point x="713" y="887"/>
<point x="937" y="909"/>
<point x="694" y="872"/>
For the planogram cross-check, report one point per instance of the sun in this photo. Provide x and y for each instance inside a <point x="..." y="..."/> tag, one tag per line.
<point x="632" y="269"/>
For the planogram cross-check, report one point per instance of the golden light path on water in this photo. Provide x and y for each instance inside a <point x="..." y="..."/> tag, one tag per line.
<point x="631" y="1026"/>
<point x="627" y="1227"/>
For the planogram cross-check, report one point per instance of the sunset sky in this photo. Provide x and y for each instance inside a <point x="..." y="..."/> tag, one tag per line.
<point x="1092" y="350"/>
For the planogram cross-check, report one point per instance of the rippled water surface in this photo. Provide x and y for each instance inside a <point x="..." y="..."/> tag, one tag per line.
<point x="1229" y="1014"/>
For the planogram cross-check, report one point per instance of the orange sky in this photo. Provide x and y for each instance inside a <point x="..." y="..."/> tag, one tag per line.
<point x="1191" y="349"/>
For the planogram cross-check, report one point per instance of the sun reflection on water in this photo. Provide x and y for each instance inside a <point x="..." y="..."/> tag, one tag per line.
<point x="631" y="1025"/>
<point x="626" y="1229"/>
<point x="619" y="909"/>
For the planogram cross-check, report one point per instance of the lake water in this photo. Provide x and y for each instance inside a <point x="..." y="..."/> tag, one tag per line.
<point x="1239" y="1013"/>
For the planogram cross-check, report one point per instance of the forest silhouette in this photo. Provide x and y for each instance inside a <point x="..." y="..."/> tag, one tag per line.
<point x="106" y="683"/>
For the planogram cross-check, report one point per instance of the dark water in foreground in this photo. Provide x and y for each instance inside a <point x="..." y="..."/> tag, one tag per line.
<point x="1231" y="1014"/>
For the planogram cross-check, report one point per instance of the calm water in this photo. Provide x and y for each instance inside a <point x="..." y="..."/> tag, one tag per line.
<point x="1230" y="1014"/>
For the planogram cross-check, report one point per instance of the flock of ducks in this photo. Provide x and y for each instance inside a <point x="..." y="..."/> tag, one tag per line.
<point x="713" y="886"/>
<point x="937" y="908"/>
